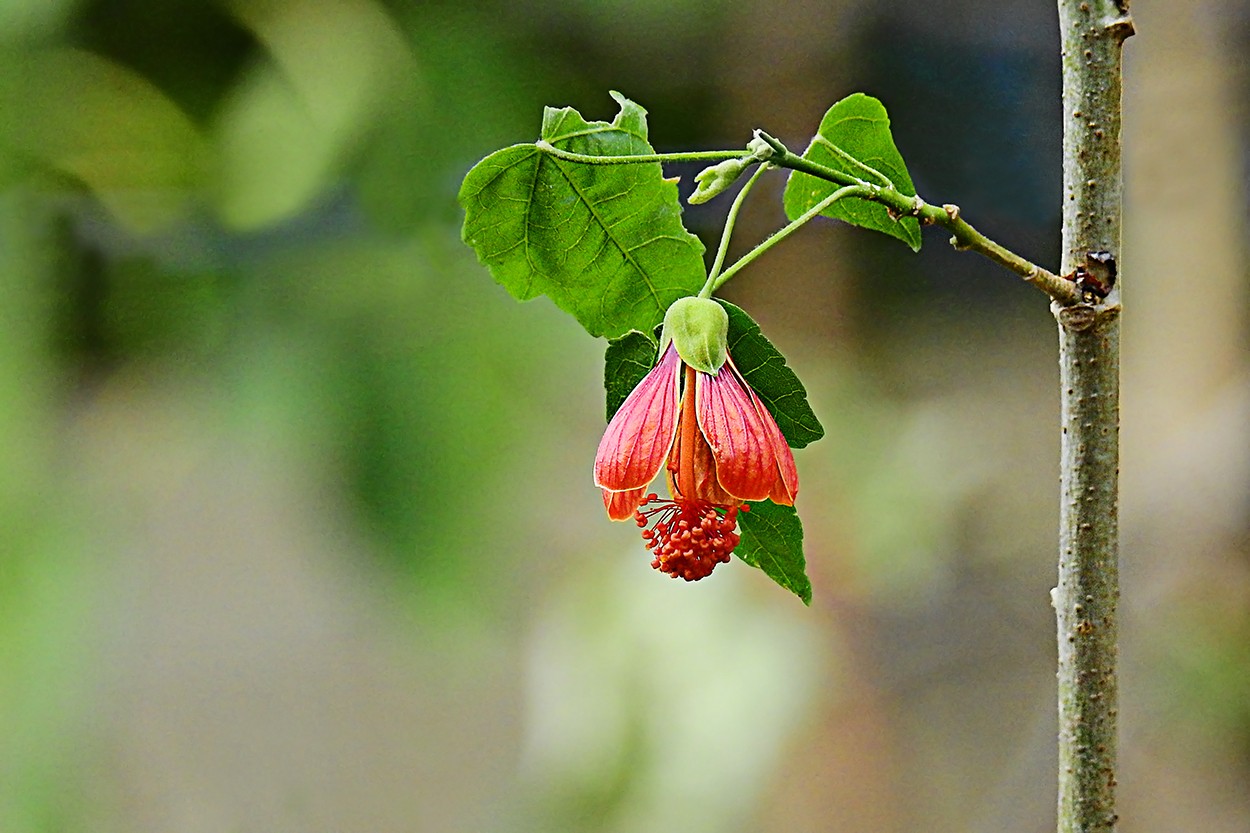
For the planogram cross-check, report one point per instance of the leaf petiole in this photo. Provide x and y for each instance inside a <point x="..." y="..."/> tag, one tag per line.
<point x="687" y="156"/>
<point x="882" y="179"/>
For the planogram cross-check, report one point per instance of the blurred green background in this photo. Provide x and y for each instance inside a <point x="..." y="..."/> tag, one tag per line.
<point x="297" y="530"/>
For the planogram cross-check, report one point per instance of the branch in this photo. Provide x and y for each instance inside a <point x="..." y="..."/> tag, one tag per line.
<point x="963" y="235"/>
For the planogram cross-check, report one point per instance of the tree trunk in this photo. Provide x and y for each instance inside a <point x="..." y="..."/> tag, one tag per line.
<point x="1092" y="33"/>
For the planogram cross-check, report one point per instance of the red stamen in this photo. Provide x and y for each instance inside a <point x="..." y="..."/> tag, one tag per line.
<point x="688" y="537"/>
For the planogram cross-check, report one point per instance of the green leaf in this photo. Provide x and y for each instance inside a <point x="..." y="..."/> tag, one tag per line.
<point x="772" y="540"/>
<point x="767" y="373"/>
<point x="858" y="126"/>
<point x="604" y="242"/>
<point x="628" y="359"/>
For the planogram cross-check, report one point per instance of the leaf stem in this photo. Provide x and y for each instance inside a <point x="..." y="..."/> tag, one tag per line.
<point x="727" y="232"/>
<point x="684" y="156"/>
<point x="881" y="178"/>
<point x="783" y="233"/>
<point x="963" y="235"/>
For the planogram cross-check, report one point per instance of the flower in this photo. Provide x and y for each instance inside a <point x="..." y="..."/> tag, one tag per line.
<point x="722" y="448"/>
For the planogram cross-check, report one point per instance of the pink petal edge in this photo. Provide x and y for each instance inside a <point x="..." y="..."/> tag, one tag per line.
<point x="622" y="505"/>
<point x="640" y="434"/>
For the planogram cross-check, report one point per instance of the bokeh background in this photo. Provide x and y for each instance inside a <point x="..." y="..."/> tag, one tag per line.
<point x="297" y="531"/>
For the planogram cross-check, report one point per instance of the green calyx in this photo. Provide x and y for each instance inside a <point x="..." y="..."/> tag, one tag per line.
<point x="699" y="329"/>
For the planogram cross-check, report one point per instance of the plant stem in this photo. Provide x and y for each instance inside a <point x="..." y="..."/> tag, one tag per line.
<point x="881" y="178"/>
<point x="710" y="285"/>
<point x="1092" y="34"/>
<point x="963" y="235"/>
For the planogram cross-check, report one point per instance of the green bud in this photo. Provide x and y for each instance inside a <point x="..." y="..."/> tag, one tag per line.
<point x="699" y="329"/>
<point x="714" y="180"/>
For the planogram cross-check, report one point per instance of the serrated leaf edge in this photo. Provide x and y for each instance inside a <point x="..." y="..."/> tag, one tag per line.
<point x="780" y="576"/>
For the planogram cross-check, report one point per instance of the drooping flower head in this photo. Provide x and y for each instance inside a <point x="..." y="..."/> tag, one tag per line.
<point x="695" y="412"/>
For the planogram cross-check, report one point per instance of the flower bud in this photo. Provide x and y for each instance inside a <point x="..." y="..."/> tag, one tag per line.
<point x="714" y="180"/>
<point x="699" y="329"/>
<point x="761" y="150"/>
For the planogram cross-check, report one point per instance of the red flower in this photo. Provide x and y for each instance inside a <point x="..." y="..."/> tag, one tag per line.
<point x="723" y="448"/>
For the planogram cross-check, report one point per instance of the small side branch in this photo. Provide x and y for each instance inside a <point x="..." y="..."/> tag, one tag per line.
<point x="963" y="235"/>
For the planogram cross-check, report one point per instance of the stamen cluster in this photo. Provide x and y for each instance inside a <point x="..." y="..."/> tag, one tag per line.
<point x="688" y="537"/>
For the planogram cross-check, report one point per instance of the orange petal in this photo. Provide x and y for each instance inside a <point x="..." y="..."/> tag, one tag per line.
<point x="703" y="465"/>
<point x="622" y="505"/>
<point x="746" y="465"/>
<point x="638" y="438"/>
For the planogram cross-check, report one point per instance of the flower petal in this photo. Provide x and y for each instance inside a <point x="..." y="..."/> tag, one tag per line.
<point x="728" y="419"/>
<point x="622" y="505"/>
<point x="637" y="440"/>
<point x="753" y="461"/>
<point x="786" y="489"/>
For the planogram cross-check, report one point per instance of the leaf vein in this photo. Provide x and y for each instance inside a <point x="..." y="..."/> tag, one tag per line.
<point x="646" y="278"/>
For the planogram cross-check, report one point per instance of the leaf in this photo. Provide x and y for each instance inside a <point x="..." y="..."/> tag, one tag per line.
<point x="772" y="540"/>
<point x="604" y="242"/>
<point x="766" y="371"/>
<point x="859" y="126"/>
<point x="628" y="359"/>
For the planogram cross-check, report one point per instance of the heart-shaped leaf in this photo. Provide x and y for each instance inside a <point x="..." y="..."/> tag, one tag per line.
<point x="604" y="242"/>
<point x="772" y="540"/>
<point x="854" y="138"/>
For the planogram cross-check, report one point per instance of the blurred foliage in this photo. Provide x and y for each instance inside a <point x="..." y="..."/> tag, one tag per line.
<point x="1207" y="648"/>
<point x="257" y="197"/>
<point x="277" y="172"/>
